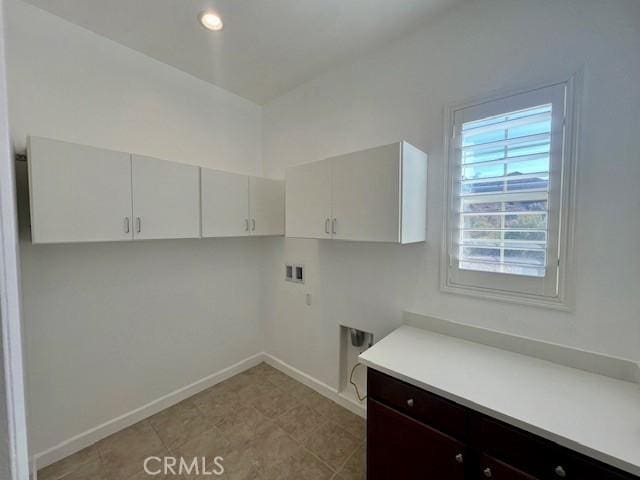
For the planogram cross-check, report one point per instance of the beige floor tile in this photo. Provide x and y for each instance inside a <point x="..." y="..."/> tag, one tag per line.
<point x="88" y="471"/>
<point x="177" y="424"/>
<point x="300" y="421"/>
<point x="243" y="425"/>
<point x="69" y="464"/>
<point x="259" y="371"/>
<point x="332" y="444"/>
<point x="139" y="434"/>
<point x="238" y="464"/>
<point x="123" y="453"/>
<point x="351" y="422"/>
<point x="258" y="374"/>
<point x="280" y="380"/>
<point x="120" y="464"/>
<point x="145" y="476"/>
<point x="229" y="392"/>
<point x="306" y="394"/>
<point x="264" y="424"/>
<point x="322" y="404"/>
<point x="275" y="403"/>
<point x="301" y="466"/>
<point x="216" y="406"/>
<point x="257" y="389"/>
<point x="208" y="444"/>
<point x="301" y="391"/>
<point x="355" y="467"/>
<point x="270" y="447"/>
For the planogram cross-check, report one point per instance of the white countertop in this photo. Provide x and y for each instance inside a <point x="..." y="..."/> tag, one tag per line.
<point x="592" y="414"/>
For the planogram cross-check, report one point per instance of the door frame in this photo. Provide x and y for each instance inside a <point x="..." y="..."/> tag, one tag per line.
<point x="14" y="425"/>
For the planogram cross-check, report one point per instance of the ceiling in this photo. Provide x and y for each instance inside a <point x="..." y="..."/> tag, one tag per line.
<point x="267" y="47"/>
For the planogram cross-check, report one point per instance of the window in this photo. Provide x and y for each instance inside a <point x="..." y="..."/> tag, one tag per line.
<point x="508" y="181"/>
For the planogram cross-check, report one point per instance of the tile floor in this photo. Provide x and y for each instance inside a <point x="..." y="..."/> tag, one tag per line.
<point x="266" y="426"/>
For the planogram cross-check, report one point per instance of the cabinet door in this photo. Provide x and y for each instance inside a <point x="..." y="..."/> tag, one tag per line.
<point x="492" y="468"/>
<point x="166" y="199"/>
<point x="266" y="199"/>
<point x="366" y="195"/>
<point x="78" y="193"/>
<point x="403" y="448"/>
<point x="225" y="204"/>
<point x="308" y="200"/>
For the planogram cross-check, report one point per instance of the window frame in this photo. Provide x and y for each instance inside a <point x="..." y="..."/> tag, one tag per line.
<point x="552" y="290"/>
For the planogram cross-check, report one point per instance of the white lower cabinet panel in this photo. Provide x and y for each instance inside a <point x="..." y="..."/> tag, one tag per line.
<point x="166" y="199"/>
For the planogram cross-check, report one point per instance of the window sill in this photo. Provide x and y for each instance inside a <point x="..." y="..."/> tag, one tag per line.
<point x="560" y="303"/>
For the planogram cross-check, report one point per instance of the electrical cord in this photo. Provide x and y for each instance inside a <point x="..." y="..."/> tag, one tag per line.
<point x="361" y="399"/>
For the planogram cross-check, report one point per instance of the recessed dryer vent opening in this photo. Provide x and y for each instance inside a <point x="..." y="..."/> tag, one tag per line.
<point x="353" y="376"/>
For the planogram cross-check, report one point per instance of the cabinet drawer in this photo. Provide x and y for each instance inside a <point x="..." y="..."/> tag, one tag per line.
<point x="490" y="467"/>
<point x="532" y="455"/>
<point x="435" y="411"/>
<point x="514" y="447"/>
<point x="578" y="467"/>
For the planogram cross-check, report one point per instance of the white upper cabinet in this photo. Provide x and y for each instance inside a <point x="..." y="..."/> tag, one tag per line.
<point x="308" y="200"/>
<point x="266" y="202"/>
<point x="225" y="204"/>
<point x="84" y="194"/>
<point x="366" y="194"/>
<point x="376" y="195"/>
<point x="166" y="199"/>
<point x="78" y="193"/>
<point x="237" y="205"/>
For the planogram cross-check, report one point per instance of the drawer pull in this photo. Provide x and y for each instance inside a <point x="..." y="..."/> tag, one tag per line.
<point x="560" y="472"/>
<point x="459" y="458"/>
<point x="410" y="402"/>
<point x="487" y="472"/>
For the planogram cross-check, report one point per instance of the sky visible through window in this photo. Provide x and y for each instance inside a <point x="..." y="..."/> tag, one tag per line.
<point x="504" y="191"/>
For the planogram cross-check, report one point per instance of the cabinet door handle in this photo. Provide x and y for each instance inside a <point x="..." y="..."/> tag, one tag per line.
<point x="410" y="402"/>
<point x="487" y="472"/>
<point x="459" y="458"/>
<point x="560" y="472"/>
<point x="333" y="225"/>
<point x="246" y="224"/>
<point x="326" y="226"/>
<point x="253" y="224"/>
<point x="138" y="224"/>
<point x="126" y="225"/>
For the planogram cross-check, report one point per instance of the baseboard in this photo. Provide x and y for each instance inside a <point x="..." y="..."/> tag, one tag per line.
<point x="91" y="436"/>
<point x="320" y="387"/>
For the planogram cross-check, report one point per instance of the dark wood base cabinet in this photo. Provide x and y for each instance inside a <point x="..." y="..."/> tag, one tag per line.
<point x="416" y="435"/>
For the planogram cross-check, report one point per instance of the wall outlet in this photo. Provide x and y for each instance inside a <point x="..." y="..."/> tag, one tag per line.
<point x="294" y="273"/>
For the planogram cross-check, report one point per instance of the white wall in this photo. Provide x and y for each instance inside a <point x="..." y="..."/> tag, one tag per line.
<point x="401" y="93"/>
<point x="110" y="327"/>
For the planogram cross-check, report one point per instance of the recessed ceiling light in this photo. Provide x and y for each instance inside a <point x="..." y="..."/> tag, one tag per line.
<point x="211" y="21"/>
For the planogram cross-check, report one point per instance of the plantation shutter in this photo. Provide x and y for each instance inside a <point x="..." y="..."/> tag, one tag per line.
<point x="506" y="192"/>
